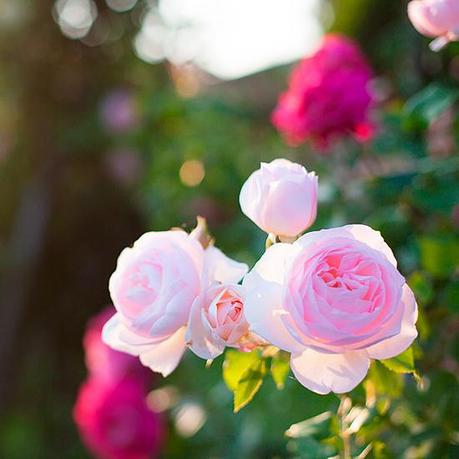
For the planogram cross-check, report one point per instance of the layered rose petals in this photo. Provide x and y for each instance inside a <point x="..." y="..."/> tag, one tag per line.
<point x="336" y="299"/>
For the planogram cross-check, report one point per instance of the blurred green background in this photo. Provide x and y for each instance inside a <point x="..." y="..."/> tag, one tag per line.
<point x="77" y="186"/>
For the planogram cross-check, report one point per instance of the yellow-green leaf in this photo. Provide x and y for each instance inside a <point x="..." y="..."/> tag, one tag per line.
<point x="235" y="364"/>
<point x="403" y="363"/>
<point x="280" y="368"/>
<point x="249" y="383"/>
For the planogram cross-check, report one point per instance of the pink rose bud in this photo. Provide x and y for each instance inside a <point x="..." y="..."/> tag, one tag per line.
<point x="436" y="18"/>
<point x="217" y="320"/>
<point x="115" y="422"/>
<point x="153" y="288"/>
<point x="335" y="300"/>
<point x="281" y="198"/>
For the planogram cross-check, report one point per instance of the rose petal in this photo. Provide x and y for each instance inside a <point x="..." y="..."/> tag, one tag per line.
<point x="324" y="373"/>
<point x="221" y="268"/>
<point x="199" y="337"/>
<point x="395" y="345"/>
<point x="164" y="357"/>
<point x="263" y="305"/>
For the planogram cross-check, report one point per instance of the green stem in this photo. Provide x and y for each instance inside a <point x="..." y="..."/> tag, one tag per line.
<point x="344" y="434"/>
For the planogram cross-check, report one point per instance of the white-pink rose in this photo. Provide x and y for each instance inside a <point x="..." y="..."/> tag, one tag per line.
<point x="436" y="18"/>
<point x="281" y="198"/>
<point x="217" y="320"/>
<point x="334" y="299"/>
<point x="153" y="288"/>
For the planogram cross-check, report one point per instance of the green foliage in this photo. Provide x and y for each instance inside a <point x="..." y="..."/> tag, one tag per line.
<point x="248" y="385"/>
<point x="243" y="374"/>
<point x="403" y="363"/>
<point x="439" y="254"/>
<point x="280" y="368"/>
<point x="429" y="103"/>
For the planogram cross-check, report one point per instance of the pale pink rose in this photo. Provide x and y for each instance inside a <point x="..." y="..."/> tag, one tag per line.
<point x="217" y="320"/>
<point x="153" y="288"/>
<point x="281" y="198"/>
<point x="436" y="18"/>
<point x="334" y="299"/>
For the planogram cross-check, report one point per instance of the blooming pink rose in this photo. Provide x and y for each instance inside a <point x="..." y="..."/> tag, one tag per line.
<point x="328" y="96"/>
<point x="436" y="18"/>
<point x="217" y="320"/>
<point x="102" y="361"/>
<point x="153" y="288"/>
<point x="281" y="198"/>
<point x="335" y="300"/>
<point x="115" y="421"/>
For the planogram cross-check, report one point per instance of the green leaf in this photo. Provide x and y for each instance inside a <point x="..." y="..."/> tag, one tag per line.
<point x="421" y="286"/>
<point x="280" y="368"/>
<point x="452" y="297"/>
<point x="235" y="364"/>
<point x="431" y="102"/>
<point x="249" y="384"/>
<point x="384" y="381"/>
<point x="439" y="254"/>
<point x="403" y="363"/>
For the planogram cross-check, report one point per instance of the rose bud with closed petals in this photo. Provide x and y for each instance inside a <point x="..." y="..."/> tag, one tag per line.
<point x="334" y="299"/>
<point x="217" y="320"/>
<point x="115" y="422"/>
<point x="281" y="198"/>
<point x="436" y="18"/>
<point x="153" y="288"/>
<point x="102" y="361"/>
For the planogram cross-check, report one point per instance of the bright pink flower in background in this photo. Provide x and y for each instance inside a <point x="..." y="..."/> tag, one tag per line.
<point x="328" y="96"/>
<point x="436" y="18"/>
<point x="335" y="300"/>
<point x="153" y="288"/>
<point x="102" y="361"/>
<point x="119" y="112"/>
<point x="217" y="320"/>
<point x="281" y="198"/>
<point x="115" y="421"/>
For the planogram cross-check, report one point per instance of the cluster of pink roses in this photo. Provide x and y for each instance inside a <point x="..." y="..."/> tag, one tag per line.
<point x="334" y="298"/>
<point x="111" y="411"/>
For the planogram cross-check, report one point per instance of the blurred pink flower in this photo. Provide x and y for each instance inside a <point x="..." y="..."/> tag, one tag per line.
<point x="124" y="165"/>
<point x="118" y="111"/>
<point x="328" y="96"/>
<point x="436" y="18"/>
<point x="105" y="363"/>
<point x="115" y="421"/>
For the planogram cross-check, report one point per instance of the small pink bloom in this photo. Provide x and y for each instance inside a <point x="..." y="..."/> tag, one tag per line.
<point x="328" y="96"/>
<point x="119" y="111"/>
<point x="281" y="198"/>
<point x="436" y="18"/>
<point x="217" y="320"/>
<point x="102" y="361"/>
<point x="115" y="421"/>
<point x="335" y="300"/>
<point x="153" y="288"/>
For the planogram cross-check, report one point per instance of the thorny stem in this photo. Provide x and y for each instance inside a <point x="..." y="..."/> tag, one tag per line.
<point x="344" y="433"/>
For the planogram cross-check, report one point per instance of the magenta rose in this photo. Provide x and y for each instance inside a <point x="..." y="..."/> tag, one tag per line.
<point x="335" y="300"/>
<point x="153" y="288"/>
<point x="115" y="421"/>
<point x="328" y="96"/>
